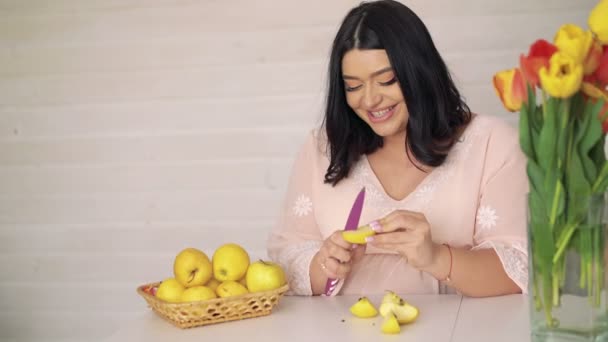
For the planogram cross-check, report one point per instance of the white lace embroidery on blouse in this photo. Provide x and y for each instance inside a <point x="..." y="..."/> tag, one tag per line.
<point x="514" y="259"/>
<point x="295" y="260"/>
<point x="302" y="206"/>
<point x="363" y="175"/>
<point x="486" y="218"/>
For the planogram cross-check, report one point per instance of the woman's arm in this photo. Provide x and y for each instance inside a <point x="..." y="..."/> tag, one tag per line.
<point x="296" y="238"/>
<point x="478" y="272"/>
<point x="474" y="273"/>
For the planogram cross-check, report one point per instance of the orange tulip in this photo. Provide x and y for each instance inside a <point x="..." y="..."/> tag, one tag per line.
<point x="538" y="56"/>
<point x="592" y="61"/>
<point x="604" y="117"/>
<point x="600" y="75"/>
<point x="594" y="94"/>
<point x="510" y="88"/>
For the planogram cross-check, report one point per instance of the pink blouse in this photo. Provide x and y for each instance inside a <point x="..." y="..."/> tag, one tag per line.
<point x="475" y="200"/>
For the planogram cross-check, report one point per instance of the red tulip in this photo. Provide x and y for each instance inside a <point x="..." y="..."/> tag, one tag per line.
<point x="538" y="57"/>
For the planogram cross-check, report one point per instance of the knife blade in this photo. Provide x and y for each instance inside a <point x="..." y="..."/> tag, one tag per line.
<point x="352" y="222"/>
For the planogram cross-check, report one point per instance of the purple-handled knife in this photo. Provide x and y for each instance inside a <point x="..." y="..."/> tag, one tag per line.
<point x="351" y="224"/>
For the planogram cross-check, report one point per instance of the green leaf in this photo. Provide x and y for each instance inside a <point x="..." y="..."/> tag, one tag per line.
<point x="525" y="134"/>
<point x="577" y="186"/>
<point x="597" y="153"/>
<point x="536" y="180"/>
<point x="548" y="136"/>
<point x="563" y="135"/>
<point x="591" y="135"/>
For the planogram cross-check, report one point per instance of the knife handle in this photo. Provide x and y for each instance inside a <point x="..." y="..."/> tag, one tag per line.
<point x="330" y="286"/>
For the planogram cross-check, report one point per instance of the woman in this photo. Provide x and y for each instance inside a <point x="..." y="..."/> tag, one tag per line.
<point x="445" y="189"/>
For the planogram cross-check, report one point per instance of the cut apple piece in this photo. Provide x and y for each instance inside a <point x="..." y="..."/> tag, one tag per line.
<point x="358" y="235"/>
<point x="391" y="325"/>
<point x="363" y="308"/>
<point x="403" y="311"/>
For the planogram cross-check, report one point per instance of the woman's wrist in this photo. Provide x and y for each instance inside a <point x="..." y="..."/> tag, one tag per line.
<point x="441" y="265"/>
<point x="317" y="276"/>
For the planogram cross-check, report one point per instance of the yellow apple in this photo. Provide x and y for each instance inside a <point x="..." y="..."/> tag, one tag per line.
<point x="213" y="283"/>
<point x="192" y="267"/>
<point x="230" y="262"/>
<point x="170" y="290"/>
<point x="265" y="276"/>
<point x="230" y="288"/>
<point x="196" y="293"/>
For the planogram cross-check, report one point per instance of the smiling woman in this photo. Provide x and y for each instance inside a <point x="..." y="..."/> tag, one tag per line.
<point x="396" y="125"/>
<point x="374" y="96"/>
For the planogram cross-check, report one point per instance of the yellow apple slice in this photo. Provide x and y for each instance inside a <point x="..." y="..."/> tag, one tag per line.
<point x="403" y="311"/>
<point x="358" y="235"/>
<point x="363" y="308"/>
<point x="390" y="325"/>
<point x="391" y="297"/>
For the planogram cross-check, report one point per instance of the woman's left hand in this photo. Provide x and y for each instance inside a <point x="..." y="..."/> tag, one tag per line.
<point x="409" y="234"/>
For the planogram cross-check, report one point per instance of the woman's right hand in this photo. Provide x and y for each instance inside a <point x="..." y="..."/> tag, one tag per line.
<point x="336" y="256"/>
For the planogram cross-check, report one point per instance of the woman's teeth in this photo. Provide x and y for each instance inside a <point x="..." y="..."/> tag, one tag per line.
<point x="382" y="112"/>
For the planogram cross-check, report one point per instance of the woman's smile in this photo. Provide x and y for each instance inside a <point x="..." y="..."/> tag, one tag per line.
<point x="381" y="115"/>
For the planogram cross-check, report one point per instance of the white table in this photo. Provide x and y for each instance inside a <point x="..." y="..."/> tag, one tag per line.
<point x="442" y="318"/>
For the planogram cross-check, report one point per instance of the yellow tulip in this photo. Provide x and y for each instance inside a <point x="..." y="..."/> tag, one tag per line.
<point x="510" y="88"/>
<point x="564" y="76"/>
<point x="574" y="41"/>
<point x="598" y="21"/>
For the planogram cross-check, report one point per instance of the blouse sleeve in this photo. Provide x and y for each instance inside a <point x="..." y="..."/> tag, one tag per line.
<point x="501" y="215"/>
<point x="296" y="238"/>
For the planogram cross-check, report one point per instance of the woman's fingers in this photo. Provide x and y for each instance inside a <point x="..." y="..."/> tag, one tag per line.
<point x="338" y="240"/>
<point x="338" y="253"/>
<point x="335" y="269"/>
<point x="396" y="238"/>
<point x="401" y="220"/>
<point x="357" y="252"/>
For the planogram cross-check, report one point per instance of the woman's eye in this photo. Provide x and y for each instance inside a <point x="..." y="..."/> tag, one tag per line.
<point x="348" y="88"/>
<point x="389" y="82"/>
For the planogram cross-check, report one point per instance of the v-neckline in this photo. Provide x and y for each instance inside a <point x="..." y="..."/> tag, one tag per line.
<point x="383" y="191"/>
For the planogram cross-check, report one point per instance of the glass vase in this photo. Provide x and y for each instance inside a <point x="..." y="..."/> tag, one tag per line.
<point x="567" y="279"/>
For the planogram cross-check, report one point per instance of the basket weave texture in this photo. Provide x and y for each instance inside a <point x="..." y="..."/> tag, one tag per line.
<point x="217" y="310"/>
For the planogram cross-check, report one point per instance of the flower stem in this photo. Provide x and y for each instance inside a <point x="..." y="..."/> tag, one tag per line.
<point x="600" y="179"/>
<point x="537" y="301"/>
<point x="563" y="243"/>
<point x="547" y="292"/>
<point x="556" y="278"/>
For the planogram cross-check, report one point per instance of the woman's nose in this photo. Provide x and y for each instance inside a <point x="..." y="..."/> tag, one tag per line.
<point x="371" y="98"/>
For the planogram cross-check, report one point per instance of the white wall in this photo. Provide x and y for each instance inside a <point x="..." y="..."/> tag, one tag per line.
<point x="131" y="129"/>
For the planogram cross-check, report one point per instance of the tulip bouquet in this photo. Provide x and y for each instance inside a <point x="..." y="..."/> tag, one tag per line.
<point x="560" y="91"/>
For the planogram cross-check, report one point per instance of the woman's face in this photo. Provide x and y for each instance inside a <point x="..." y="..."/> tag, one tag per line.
<point x="373" y="92"/>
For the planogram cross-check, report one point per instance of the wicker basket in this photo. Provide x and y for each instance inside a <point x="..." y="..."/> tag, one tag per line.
<point x="192" y="314"/>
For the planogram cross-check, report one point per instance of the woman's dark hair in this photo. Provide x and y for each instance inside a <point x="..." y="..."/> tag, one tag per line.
<point x="436" y="109"/>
